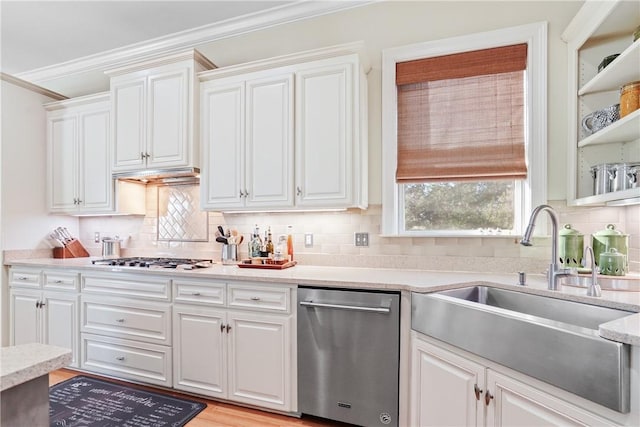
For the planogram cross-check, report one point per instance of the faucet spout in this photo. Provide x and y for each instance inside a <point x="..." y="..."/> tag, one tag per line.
<point x="555" y="272"/>
<point x="594" y="289"/>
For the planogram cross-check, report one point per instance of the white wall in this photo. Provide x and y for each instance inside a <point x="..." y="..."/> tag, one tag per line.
<point x="24" y="220"/>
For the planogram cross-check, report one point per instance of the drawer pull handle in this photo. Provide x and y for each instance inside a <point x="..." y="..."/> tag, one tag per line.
<point x="120" y="358"/>
<point x="196" y="294"/>
<point x="22" y="278"/>
<point x="120" y="320"/>
<point x="221" y="327"/>
<point x="58" y="281"/>
<point x="228" y="327"/>
<point x="255" y="298"/>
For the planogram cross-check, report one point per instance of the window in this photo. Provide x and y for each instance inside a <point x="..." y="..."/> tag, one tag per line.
<point x="464" y="133"/>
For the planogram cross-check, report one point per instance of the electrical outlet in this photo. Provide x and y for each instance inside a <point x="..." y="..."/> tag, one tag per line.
<point x="361" y="239"/>
<point x="96" y="237"/>
<point x="308" y="240"/>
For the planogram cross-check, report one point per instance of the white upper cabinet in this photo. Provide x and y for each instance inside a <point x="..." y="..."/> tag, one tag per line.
<point x="79" y="173"/>
<point x="248" y="142"/>
<point x="598" y="30"/>
<point x="155" y="114"/>
<point x="286" y="133"/>
<point x="328" y="160"/>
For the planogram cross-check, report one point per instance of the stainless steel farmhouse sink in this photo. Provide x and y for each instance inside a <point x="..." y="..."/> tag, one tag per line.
<point x="550" y="339"/>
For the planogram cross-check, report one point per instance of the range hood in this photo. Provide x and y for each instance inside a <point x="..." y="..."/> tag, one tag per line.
<point x="160" y="176"/>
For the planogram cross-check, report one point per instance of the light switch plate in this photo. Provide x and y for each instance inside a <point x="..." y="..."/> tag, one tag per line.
<point x="361" y="239"/>
<point x="308" y="240"/>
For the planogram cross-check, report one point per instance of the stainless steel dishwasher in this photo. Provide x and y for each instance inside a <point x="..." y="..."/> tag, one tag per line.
<point x="348" y="355"/>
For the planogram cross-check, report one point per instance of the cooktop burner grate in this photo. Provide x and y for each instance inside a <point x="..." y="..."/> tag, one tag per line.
<point x="153" y="262"/>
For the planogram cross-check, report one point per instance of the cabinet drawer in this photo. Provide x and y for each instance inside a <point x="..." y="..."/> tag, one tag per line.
<point x="119" y="318"/>
<point x="208" y="293"/>
<point x="60" y="280"/>
<point x="144" y="362"/>
<point x="154" y="288"/>
<point x="268" y="298"/>
<point x="24" y="278"/>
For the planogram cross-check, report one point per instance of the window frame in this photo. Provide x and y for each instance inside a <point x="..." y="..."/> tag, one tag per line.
<point x="534" y="188"/>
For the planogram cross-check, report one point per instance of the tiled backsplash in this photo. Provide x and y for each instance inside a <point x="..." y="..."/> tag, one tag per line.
<point x="333" y="235"/>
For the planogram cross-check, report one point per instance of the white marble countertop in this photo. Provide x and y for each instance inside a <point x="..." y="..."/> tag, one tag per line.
<point x="381" y="278"/>
<point x="22" y="363"/>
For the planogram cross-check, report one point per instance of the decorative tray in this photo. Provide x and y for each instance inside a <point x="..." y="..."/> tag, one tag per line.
<point x="246" y="263"/>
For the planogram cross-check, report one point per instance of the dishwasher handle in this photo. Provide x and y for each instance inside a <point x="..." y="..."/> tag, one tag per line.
<point x="345" y="307"/>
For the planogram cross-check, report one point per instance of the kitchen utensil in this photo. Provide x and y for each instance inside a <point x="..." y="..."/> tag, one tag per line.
<point x="570" y="246"/>
<point x="612" y="263"/>
<point x="221" y="239"/>
<point x="111" y="247"/>
<point x="626" y="176"/>
<point x="56" y="240"/>
<point x="607" y="239"/>
<point x="221" y="230"/>
<point x="606" y="61"/>
<point x="591" y="123"/>
<point x="603" y="176"/>
<point x="629" y="98"/>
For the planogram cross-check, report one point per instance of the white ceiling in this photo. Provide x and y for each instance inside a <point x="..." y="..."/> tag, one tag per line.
<point x="65" y="45"/>
<point x="37" y="34"/>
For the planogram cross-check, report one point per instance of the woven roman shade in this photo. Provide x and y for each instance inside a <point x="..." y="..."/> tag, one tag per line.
<point x="461" y="116"/>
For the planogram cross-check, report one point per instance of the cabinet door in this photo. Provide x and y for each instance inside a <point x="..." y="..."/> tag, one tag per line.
<point x="260" y="360"/>
<point x="128" y="124"/>
<point x="221" y="181"/>
<point x="25" y="317"/>
<point x="443" y="388"/>
<point x="96" y="186"/>
<point x="517" y="404"/>
<point x="61" y="325"/>
<point x="324" y="135"/>
<point x="199" y="351"/>
<point x="168" y="115"/>
<point x="62" y="163"/>
<point x="269" y="141"/>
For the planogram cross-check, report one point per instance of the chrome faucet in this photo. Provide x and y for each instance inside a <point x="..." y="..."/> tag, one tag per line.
<point x="555" y="272"/>
<point x="594" y="289"/>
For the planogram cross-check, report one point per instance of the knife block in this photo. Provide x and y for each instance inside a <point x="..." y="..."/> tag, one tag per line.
<point x="72" y="249"/>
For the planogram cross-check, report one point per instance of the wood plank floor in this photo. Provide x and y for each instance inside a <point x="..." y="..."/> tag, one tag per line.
<point x="218" y="414"/>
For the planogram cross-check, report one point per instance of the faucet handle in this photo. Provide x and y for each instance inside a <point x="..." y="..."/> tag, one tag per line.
<point x="522" y="278"/>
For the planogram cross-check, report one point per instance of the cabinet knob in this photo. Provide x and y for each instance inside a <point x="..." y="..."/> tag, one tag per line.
<point x="477" y="390"/>
<point x="196" y="294"/>
<point x="120" y="358"/>
<point x="298" y="191"/>
<point x="487" y="398"/>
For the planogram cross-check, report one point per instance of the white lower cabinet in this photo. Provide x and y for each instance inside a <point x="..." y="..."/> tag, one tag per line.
<point x="126" y="327"/>
<point x="246" y="356"/>
<point x="43" y="316"/>
<point x="447" y="388"/>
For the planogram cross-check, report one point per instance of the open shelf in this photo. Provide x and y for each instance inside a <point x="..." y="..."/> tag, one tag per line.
<point x="624" y="130"/>
<point x="630" y="196"/>
<point x="624" y="69"/>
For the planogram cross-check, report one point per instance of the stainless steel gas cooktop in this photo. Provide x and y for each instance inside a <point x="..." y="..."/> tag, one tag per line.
<point x="185" y="263"/>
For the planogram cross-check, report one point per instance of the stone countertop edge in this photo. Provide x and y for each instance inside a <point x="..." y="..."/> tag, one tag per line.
<point x="25" y="362"/>
<point x="625" y="330"/>
<point x="422" y="281"/>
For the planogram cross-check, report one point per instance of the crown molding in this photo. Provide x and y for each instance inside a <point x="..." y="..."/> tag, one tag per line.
<point x="30" y="86"/>
<point x="191" y="38"/>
